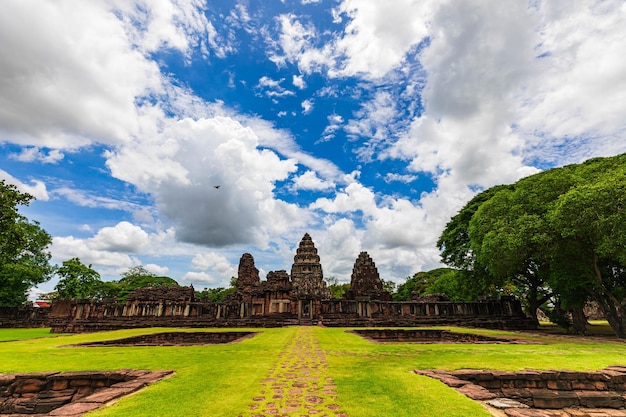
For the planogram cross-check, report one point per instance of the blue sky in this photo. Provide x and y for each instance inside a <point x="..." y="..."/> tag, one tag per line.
<point x="366" y="124"/>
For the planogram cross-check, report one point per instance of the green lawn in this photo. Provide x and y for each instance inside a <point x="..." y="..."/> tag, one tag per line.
<point x="372" y="379"/>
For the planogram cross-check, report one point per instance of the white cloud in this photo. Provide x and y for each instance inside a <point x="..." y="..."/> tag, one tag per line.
<point x="157" y="269"/>
<point x="123" y="237"/>
<point x="379" y="34"/>
<point x="86" y="90"/>
<point x="307" y="106"/>
<point x="574" y="106"/>
<point x="214" y="261"/>
<point x="37" y="188"/>
<point x="89" y="199"/>
<point x="31" y="153"/>
<point x="200" y="277"/>
<point x="298" y="81"/>
<point x="405" y="178"/>
<point x="310" y="181"/>
<point x="198" y="156"/>
<point x="273" y="88"/>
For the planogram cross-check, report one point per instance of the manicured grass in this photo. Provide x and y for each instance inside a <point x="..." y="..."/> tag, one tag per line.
<point x="20" y="334"/>
<point x="372" y="379"/>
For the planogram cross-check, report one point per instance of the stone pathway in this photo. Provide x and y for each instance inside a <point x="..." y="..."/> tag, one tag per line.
<point x="298" y="386"/>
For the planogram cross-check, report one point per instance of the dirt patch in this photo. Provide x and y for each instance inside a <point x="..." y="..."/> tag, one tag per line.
<point x="430" y="336"/>
<point x="69" y="393"/>
<point x="172" y="339"/>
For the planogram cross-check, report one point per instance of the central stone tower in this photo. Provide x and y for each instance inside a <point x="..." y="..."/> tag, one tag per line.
<point x="306" y="273"/>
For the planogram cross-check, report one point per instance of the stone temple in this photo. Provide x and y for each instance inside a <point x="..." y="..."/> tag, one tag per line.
<point x="299" y="298"/>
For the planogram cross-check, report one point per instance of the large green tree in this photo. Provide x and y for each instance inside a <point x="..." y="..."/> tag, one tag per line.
<point x="592" y="218"/>
<point x="511" y="236"/>
<point x="77" y="280"/>
<point x="559" y="233"/>
<point x="137" y="277"/>
<point x="457" y="249"/>
<point x="24" y="256"/>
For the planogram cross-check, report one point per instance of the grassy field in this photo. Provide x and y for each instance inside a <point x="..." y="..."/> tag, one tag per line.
<point x="371" y="379"/>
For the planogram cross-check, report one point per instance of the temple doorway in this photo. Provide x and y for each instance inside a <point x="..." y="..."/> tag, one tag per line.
<point x="305" y="309"/>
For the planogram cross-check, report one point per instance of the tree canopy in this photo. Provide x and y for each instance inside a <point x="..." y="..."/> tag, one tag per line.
<point x="558" y="234"/>
<point x="77" y="280"/>
<point x="24" y="256"/>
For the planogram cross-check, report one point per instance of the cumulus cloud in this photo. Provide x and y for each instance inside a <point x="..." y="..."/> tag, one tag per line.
<point x="298" y="81"/>
<point x="32" y="153"/>
<point x="88" y="88"/>
<point x="209" y="153"/>
<point x="218" y="264"/>
<point x="307" y="106"/>
<point x="36" y="188"/>
<point x="157" y="269"/>
<point x="310" y="181"/>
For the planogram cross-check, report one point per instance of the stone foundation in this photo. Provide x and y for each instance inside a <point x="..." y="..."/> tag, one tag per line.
<point x="173" y="339"/>
<point x="522" y="393"/>
<point x="428" y="336"/>
<point x="69" y="393"/>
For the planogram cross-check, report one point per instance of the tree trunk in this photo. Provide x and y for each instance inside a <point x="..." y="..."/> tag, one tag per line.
<point x="613" y="310"/>
<point x="579" y="321"/>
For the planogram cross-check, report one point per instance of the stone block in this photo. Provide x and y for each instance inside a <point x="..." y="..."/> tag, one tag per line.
<point x="476" y="392"/>
<point x="599" y="399"/>
<point x="518" y="393"/>
<point x="107" y="395"/>
<point x="6" y="380"/>
<point x="30" y="385"/>
<point x="74" y="409"/>
<point x="554" y="399"/>
<point x="559" y="384"/>
<point x="59" y="384"/>
<point x="81" y="382"/>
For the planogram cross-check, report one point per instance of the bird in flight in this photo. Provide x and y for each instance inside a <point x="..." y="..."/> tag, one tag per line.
<point x="216" y="186"/>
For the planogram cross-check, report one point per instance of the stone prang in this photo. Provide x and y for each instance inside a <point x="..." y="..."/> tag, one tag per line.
<point x="365" y="283"/>
<point x="306" y="272"/>
<point x="248" y="277"/>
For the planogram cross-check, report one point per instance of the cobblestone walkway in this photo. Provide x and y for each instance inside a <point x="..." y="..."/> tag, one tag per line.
<point x="298" y="385"/>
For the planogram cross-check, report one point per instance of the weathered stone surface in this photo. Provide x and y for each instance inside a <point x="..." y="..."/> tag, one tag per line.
<point x="365" y="283"/>
<point x="47" y="393"/>
<point x="476" y="392"/>
<point x="306" y="272"/>
<point x="503" y="403"/>
<point x="542" y="393"/>
<point x="161" y="293"/>
<point x="248" y="278"/>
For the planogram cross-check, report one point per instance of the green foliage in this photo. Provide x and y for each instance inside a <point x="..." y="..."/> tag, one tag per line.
<point x="135" y="277"/>
<point x="215" y="295"/>
<point x="448" y="281"/>
<point x="77" y="280"/>
<point x="24" y="256"/>
<point x="337" y="290"/>
<point x="389" y="286"/>
<point x="559" y="234"/>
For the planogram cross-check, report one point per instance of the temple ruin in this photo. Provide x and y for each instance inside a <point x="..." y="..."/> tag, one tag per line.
<point x="299" y="298"/>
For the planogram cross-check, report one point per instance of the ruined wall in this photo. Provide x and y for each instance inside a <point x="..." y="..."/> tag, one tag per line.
<point x="85" y="316"/>
<point x="24" y="317"/>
